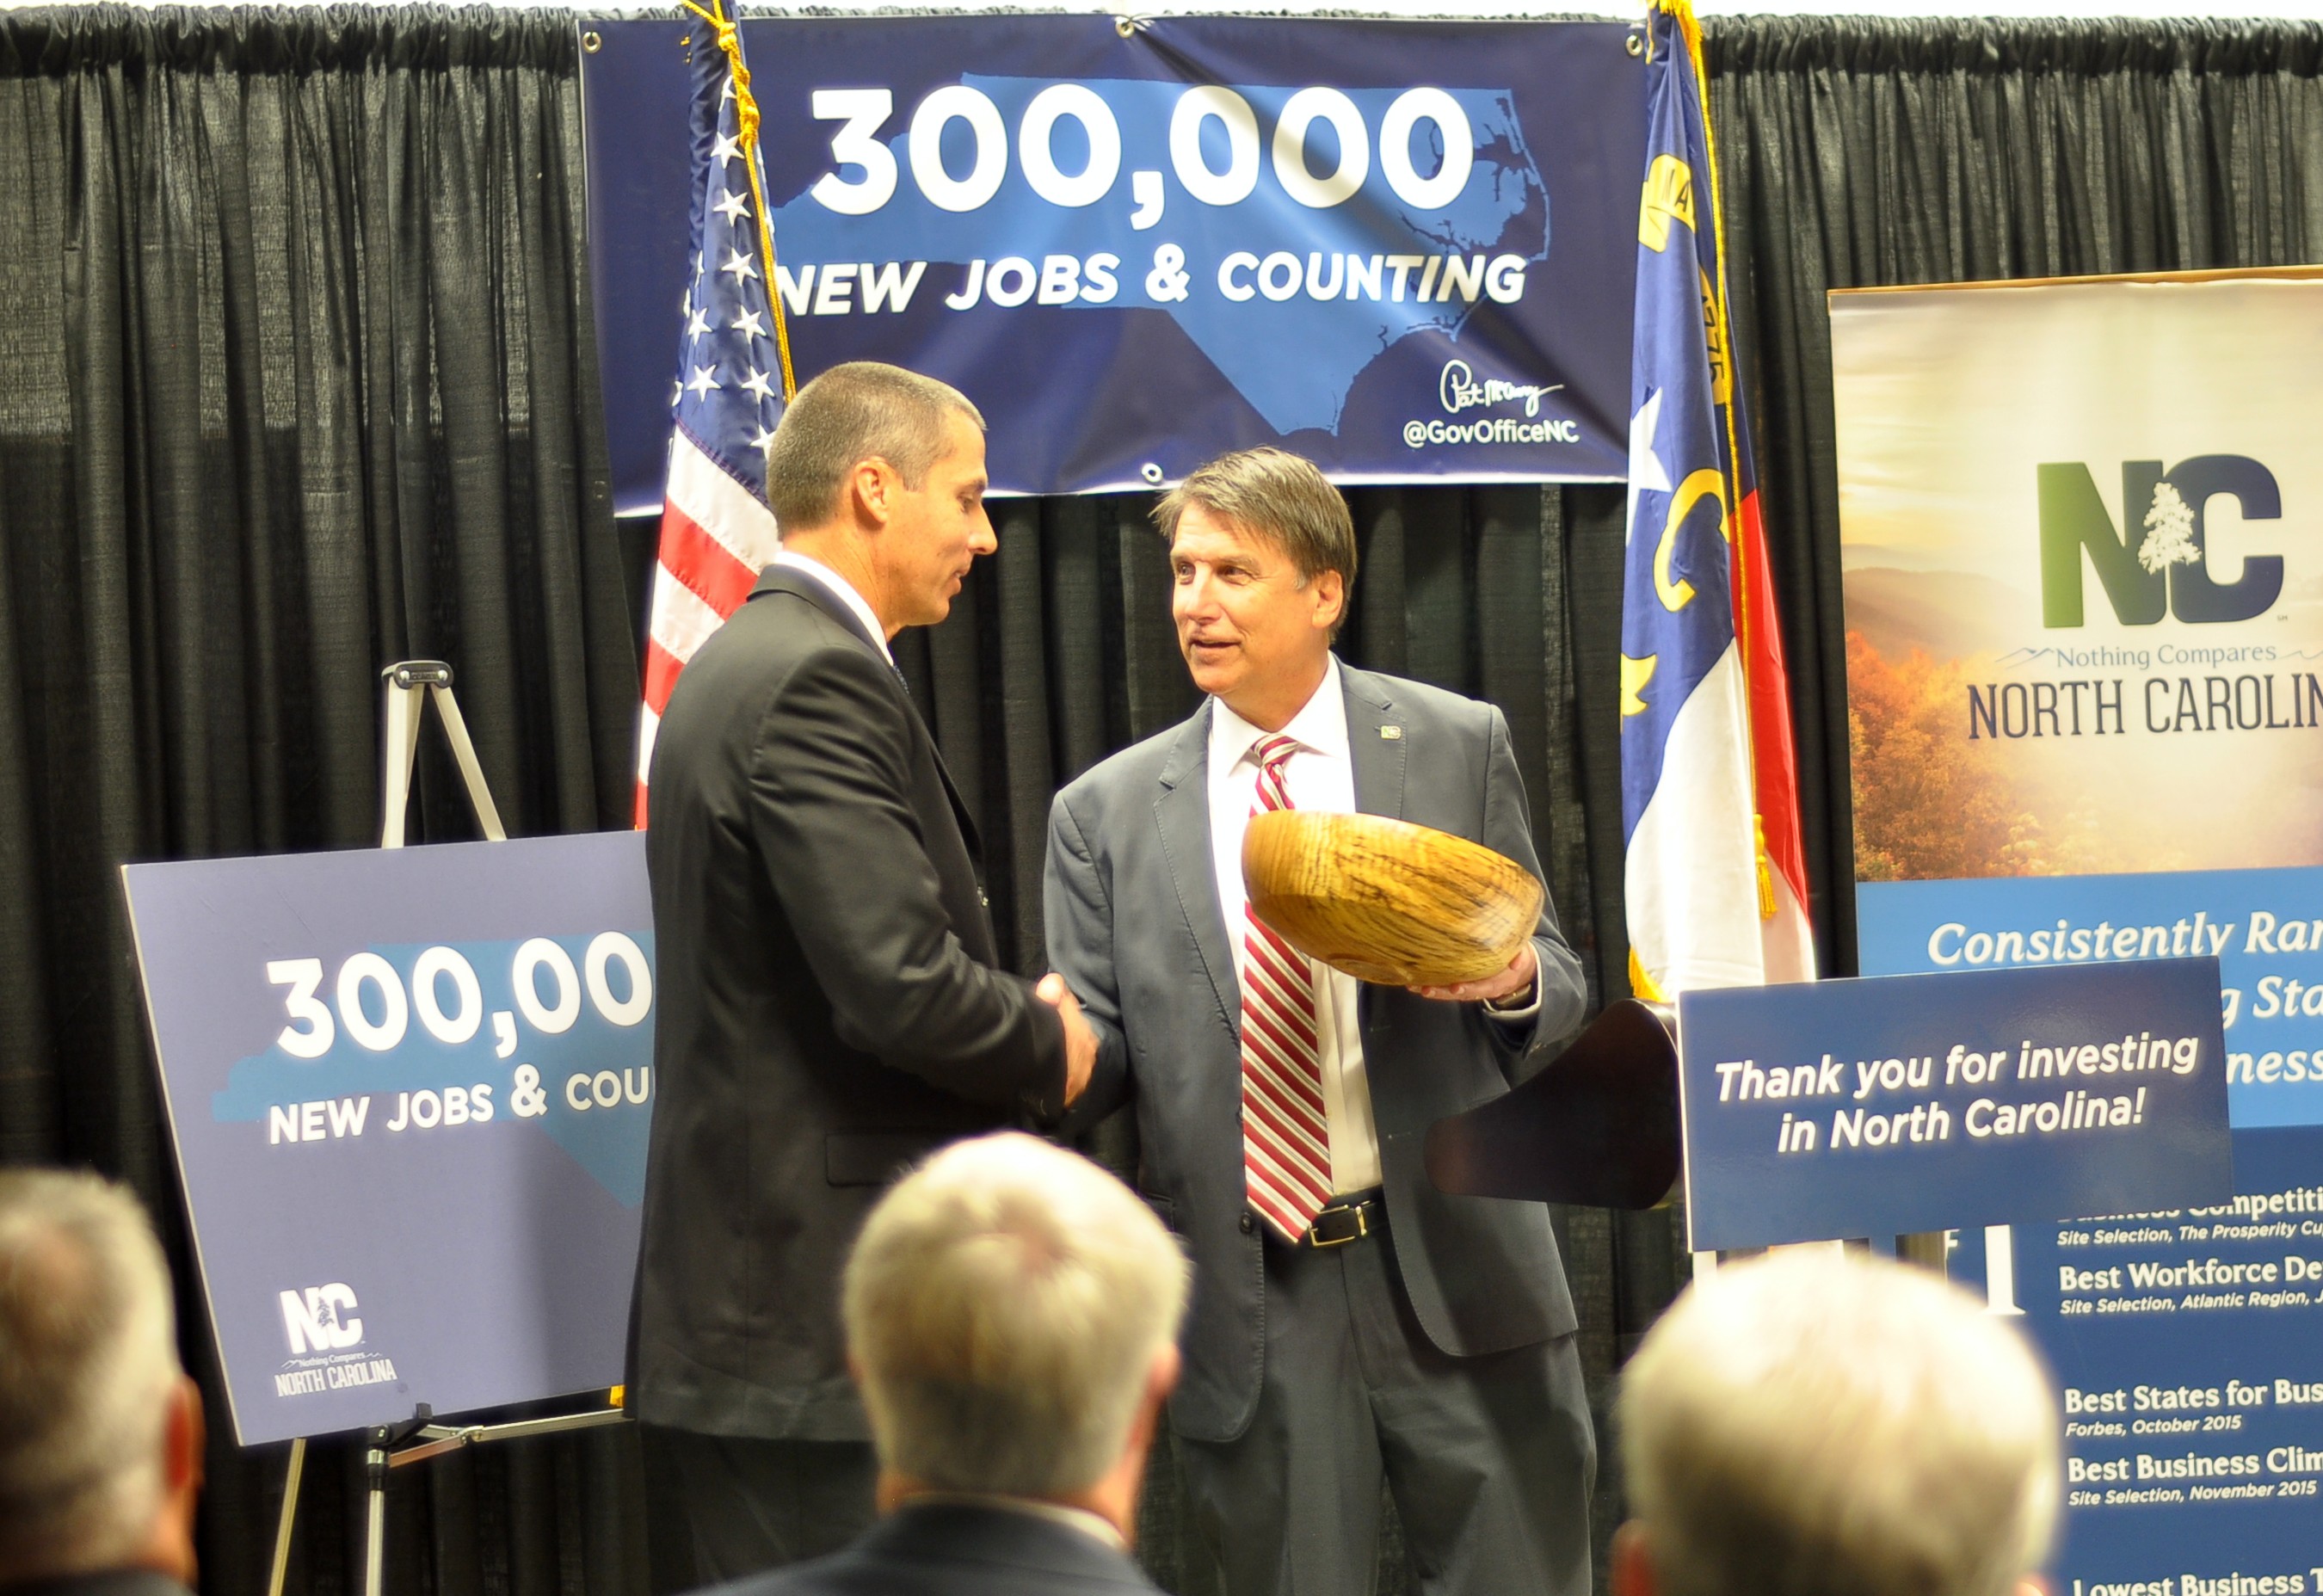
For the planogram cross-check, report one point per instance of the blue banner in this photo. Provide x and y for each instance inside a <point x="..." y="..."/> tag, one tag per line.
<point x="410" y="1091"/>
<point x="1881" y="1107"/>
<point x="1402" y="249"/>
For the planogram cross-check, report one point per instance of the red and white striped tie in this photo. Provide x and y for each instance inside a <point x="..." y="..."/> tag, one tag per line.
<point x="1286" y="1148"/>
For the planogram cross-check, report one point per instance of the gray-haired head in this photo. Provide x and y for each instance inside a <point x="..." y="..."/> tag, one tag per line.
<point x="89" y="1360"/>
<point x="862" y="410"/>
<point x="1806" y="1424"/>
<point x="1004" y="1307"/>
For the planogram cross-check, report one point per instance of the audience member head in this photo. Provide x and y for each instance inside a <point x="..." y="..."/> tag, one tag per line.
<point x="1809" y="1424"/>
<point x="1012" y="1315"/>
<point x="100" y="1430"/>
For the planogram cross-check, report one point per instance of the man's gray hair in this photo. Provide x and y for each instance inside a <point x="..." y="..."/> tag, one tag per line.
<point x="859" y="411"/>
<point x="1004" y="1307"/>
<point x="89" y="1357"/>
<point x="1809" y="1424"/>
<point x="1274" y="494"/>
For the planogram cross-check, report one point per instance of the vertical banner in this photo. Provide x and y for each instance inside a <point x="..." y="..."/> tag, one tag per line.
<point x="1402" y="248"/>
<point x="2084" y="588"/>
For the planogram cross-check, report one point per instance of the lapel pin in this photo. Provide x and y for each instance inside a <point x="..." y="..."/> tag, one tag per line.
<point x="1390" y="733"/>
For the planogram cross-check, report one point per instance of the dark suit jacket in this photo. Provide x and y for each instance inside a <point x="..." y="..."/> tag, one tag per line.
<point x="828" y="1009"/>
<point x="958" y="1549"/>
<point x="115" y="1581"/>
<point x="1134" y="926"/>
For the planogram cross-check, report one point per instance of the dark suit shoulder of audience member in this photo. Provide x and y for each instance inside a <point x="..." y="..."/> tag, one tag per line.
<point x="958" y="1548"/>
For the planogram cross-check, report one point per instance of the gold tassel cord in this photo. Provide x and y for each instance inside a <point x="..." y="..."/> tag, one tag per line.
<point x="746" y="117"/>
<point x="1767" y="905"/>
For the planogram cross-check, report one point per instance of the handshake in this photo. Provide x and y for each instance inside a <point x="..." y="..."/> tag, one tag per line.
<point x="1080" y="1042"/>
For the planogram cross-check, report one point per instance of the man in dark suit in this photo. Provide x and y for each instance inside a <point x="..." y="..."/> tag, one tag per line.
<point x="1011" y="1313"/>
<point x="829" y="1006"/>
<point x="100" y="1430"/>
<point x="1349" y="1321"/>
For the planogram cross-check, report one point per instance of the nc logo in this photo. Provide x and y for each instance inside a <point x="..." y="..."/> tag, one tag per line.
<point x="2159" y="562"/>
<point x="321" y="1318"/>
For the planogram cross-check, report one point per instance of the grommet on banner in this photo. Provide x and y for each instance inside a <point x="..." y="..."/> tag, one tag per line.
<point x="1635" y="44"/>
<point x="1150" y="473"/>
<point x="1127" y="26"/>
<point x="592" y="42"/>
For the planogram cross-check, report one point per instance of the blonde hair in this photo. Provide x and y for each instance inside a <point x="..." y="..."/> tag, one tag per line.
<point x="1814" y="1426"/>
<point x="1004" y="1307"/>
<point x="89" y="1356"/>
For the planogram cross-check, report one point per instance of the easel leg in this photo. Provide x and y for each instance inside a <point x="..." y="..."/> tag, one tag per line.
<point x="290" y="1517"/>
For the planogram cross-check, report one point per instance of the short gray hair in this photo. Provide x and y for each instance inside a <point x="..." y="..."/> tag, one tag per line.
<point x="89" y="1357"/>
<point x="1279" y="496"/>
<point x="1004" y="1307"/>
<point x="1816" y="1425"/>
<point x="862" y="410"/>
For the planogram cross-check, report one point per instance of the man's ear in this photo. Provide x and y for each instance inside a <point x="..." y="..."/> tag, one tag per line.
<point x="871" y="486"/>
<point x="185" y="1437"/>
<point x="184" y="1442"/>
<point x="1631" y="1567"/>
<point x="1330" y="599"/>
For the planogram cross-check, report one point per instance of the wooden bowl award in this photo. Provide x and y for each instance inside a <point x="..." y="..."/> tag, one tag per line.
<point x="1388" y="901"/>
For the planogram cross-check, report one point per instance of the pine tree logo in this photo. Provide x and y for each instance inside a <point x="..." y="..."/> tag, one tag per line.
<point x="2169" y="531"/>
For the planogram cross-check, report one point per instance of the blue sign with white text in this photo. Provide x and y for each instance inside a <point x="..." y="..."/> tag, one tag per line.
<point x="1923" y="1103"/>
<point x="1402" y="249"/>
<point x="2265" y="928"/>
<point x="409" y="1090"/>
<point x="2187" y="1348"/>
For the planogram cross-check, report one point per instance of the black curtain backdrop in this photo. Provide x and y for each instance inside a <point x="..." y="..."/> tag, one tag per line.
<point x="295" y="378"/>
<point x="1860" y="152"/>
<point x="300" y="379"/>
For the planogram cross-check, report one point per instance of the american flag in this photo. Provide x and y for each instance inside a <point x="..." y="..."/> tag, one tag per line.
<point x="716" y="530"/>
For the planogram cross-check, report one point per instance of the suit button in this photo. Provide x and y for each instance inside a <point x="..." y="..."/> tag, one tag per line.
<point x="1248" y="1224"/>
<point x="984" y="901"/>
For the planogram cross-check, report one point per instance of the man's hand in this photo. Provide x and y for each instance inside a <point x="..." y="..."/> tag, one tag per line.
<point x="1511" y="982"/>
<point x="1080" y="1042"/>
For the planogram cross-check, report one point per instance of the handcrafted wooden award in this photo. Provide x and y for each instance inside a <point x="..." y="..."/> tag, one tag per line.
<point x="1385" y="900"/>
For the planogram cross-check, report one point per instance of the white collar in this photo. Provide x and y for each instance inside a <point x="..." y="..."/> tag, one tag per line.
<point x="840" y="588"/>
<point x="1089" y="1524"/>
<point x="1320" y="726"/>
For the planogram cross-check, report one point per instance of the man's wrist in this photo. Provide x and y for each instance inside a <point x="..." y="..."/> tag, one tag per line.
<point x="1516" y="1004"/>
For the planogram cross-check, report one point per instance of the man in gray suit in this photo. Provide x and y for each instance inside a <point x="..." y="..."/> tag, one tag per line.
<point x="1349" y="1321"/>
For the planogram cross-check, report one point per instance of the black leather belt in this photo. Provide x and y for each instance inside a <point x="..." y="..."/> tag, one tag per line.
<point x="1347" y="1219"/>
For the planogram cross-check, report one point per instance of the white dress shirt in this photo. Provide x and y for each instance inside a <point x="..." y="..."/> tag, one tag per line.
<point x="839" y="588"/>
<point x="1321" y="775"/>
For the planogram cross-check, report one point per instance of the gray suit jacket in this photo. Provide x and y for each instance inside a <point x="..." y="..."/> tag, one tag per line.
<point x="1134" y="926"/>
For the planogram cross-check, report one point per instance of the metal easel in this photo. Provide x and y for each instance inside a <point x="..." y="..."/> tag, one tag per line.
<point x="409" y="683"/>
